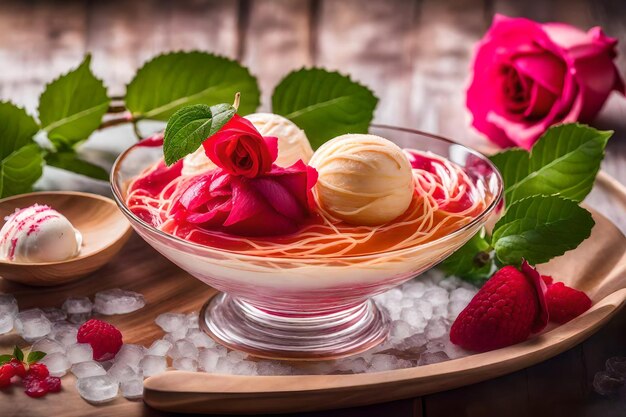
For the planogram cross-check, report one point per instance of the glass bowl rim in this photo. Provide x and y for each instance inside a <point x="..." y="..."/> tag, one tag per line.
<point x="117" y="195"/>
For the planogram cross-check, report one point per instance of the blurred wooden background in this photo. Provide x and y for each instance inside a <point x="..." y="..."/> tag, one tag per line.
<point x="414" y="54"/>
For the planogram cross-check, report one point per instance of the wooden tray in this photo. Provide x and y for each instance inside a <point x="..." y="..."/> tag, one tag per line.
<point x="598" y="266"/>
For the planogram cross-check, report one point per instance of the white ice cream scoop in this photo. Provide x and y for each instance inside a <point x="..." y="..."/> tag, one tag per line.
<point x="38" y="233"/>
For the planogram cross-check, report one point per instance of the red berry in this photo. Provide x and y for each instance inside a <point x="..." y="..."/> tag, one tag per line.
<point x="565" y="303"/>
<point x="54" y="383"/>
<point x="38" y="370"/>
<point x="36" y="387"/>
<point x="104" y="338"/>
<point x="505" y="311"/>
<point x="6" y="373"/>
<point x="19" y="368"/>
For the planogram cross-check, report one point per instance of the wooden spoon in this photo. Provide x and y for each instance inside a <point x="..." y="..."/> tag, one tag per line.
<point x="103" y="226"/>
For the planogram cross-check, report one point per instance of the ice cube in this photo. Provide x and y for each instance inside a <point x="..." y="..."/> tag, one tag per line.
<point x="207" y="359"/>
<point x="132" y="388"/>
<point x="438" y="298"/>
<point x="97" y="389"/>
<point x="172" y="322"/>
<point x="193" y="321"/>
<point x="274" y="368"/>
<point x="87" y="368"/>
<point x="57" y="363"/>
<point x="382" y="362"/>
<point x="616" y="366"/>
<point x="176" y="335"/>
<point x="6" y="322"/>
<point x="199" y="338"/>
<point x="245" y="368"/>
<point x="428" y="358"/>
<point x="436" y="328"/>
<point x="54" y="314"/>
<point x="351" y="365"/>
<point x="8" y="304"/>
<point x="130" y="355"/>
<point x="159" y="347"/>
<point x="79" y="352"/>
<point x="118" y="301"/>
<point x="414" y="318"/>
<point x="400" y="330"/>
<point x="121" y="372"/>
<point x="78" y="318"/>
<point x="48" y="346"/>
<point x="32" y="324"/>
<point x="65" y="333"/>
<point x="77" y="305"/>
<point x="606" y="384"/>
<point x="152" y="365"/>
<point x="183" y="349"/>
<point x="185" y="364"/>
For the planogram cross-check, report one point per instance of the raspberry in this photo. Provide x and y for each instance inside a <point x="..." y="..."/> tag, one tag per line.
<point x="505" y="311"/>
<point x="18" y="367"/>
<point x="36" y="387"/>
<point x="6" y="373"/>
<point x="565" y="303"/>
<point x="54" y="383"/>
<point x="104" y="338"/>
<point x="38" y="370"/>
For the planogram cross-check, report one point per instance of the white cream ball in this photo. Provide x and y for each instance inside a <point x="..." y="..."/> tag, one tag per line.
<point x="38" y="234"/>
<point x="293" y="144"/>
<point x="363" y="179"/>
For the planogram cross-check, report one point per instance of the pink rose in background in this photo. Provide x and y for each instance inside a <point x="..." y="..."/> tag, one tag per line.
<point x="528" y="76"/>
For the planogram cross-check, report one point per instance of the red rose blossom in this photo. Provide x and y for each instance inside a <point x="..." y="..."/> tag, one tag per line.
<point x="239" y="149"/>
<point x="528" y="76"/>
<point x="247" y="194"/>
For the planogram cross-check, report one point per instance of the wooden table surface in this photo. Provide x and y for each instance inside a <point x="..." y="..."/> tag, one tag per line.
<point x="415" y="56"/>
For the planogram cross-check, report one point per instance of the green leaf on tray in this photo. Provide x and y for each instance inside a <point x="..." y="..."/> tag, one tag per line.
<point x="563" y="162"/>
<point x="72" y="106"/>
<point x="70" y="161"/>
<point x="171" y="81"/>
<point x="324" y="104"/>
<point x="5" y="358"/>
<point x="35" y="356"/>
<point x="540" y="228"/>
<point x="472" y="261"/>
<point x="21" y="159"/>
<point x="190" y="126"/>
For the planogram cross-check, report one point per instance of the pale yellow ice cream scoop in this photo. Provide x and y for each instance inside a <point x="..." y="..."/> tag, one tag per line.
<point x="363" y="179"/>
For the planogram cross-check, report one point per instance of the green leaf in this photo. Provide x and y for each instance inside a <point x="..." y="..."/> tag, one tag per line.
<point x="171" y="81"/>
<point x="69" y="161"/>
<point x="563" y="162"/>
<point x="18" y="354"/>
<point x="324" y="104"/>
<point x="539" y="228"/>
<point x="472" y="261"/>
<point x="72" y="106"/>
<point x="5" y="358"/>
<point x="190" y="126"/>
<point x="21" y="159"/>
<point x="35" y="356"/>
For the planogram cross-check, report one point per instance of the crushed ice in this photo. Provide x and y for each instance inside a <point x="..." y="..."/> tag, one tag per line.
<point x="420" y="312"/>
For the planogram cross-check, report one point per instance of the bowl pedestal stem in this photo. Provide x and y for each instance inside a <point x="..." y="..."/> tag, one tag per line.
<point x="239" y="325"/>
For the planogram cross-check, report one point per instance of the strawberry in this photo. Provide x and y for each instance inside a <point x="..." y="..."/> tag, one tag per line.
<point x="53" y="383"/>
<point x="104" y="338"/>
<point x="506" y="310"/>
<point x="6" y="373"/>
<point x="18" y="366"/>
<point x="38" y="370"/>
<point x="36" y="387"/>
<point x="565" y="303"/>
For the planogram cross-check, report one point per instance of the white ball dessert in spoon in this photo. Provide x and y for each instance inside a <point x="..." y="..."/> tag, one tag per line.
<point x="293" y="144"/>
<point x="38" y="234"/>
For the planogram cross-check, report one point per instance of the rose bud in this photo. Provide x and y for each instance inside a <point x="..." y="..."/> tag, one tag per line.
<point x="528" y="76"/>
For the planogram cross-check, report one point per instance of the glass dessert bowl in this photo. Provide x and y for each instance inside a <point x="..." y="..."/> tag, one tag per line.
<point x="306" y="307"/>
